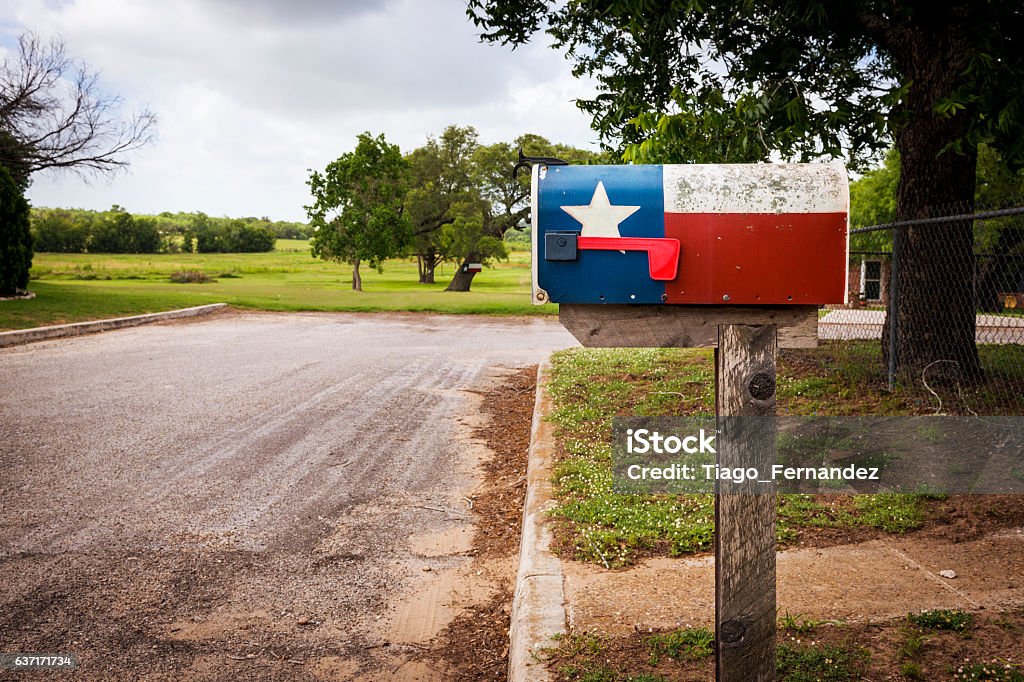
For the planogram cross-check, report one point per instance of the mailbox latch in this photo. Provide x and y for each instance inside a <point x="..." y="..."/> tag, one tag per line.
<point x="560" y="245"/>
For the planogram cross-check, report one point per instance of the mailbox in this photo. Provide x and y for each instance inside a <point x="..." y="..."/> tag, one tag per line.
<point x="750" y="234"/>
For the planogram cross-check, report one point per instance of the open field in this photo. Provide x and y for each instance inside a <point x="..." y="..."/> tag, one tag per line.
<point x="76" y="287"/>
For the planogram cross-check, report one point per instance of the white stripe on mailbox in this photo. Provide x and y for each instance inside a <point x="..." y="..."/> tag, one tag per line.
<point x="756" y="188"/>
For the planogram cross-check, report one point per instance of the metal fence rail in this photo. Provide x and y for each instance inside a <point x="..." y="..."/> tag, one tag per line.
<point x="988" y="278"/>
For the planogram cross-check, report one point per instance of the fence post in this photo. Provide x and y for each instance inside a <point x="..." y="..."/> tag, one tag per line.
<point x="893" y="314"/>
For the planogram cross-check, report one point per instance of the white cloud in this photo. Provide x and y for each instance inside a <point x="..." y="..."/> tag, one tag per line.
<point x="251" y="94"/>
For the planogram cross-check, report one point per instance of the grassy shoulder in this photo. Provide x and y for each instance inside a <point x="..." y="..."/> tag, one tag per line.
<point x="591" y="386"/>
<point x="77" y="287"/>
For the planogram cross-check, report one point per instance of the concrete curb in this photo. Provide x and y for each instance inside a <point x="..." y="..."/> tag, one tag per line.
<point x="538" y="607"/>
<point x="20" y="336"/>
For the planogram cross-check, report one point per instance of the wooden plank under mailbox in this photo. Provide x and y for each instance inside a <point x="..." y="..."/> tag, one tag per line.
<point x="693" y="326"/>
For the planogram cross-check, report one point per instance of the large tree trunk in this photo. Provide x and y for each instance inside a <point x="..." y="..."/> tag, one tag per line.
<point x="357" y="279"/>
<point x="427" y="265"/>
<point x="934" y="278"/>
<point x="462" y="279"/>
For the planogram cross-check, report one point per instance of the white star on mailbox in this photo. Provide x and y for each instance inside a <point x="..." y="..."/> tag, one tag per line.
<point x="600" y="218"/>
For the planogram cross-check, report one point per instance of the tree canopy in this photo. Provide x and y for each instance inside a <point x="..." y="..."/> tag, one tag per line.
<point x="358" y="212"/>
<point x="54" y="116"/>
<point x="724" y="81"/>
<point x="685" y="81"/>
<point x="442" y="183"/>
<point x="463" y="200"/>
<point x="478" y="235"/>
<point x="873" y="199"/>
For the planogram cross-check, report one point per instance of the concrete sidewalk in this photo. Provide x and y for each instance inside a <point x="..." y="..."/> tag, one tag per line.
<point x="867" y="582"/>
<point x="871" y="581"/>
<point x="846" y="324"/>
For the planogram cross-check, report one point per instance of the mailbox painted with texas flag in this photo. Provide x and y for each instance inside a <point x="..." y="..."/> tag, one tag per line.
<point x="745" y="234"/>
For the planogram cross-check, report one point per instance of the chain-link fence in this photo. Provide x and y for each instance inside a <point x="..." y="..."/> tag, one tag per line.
<point x="954" y="284"/>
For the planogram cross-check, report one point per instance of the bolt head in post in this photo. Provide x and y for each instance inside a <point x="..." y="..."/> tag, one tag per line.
<point x="761" y="386"/>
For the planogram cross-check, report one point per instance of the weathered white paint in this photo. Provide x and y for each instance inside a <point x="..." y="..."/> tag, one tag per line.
<point x="756" y="188"/>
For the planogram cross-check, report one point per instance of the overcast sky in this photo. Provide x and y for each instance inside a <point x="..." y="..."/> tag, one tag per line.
<point x="252" y="93"/>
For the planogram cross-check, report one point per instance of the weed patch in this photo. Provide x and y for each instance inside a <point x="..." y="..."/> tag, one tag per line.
<point x="942" y="619"/>
<point x="997" y="670"/>
<point x="689" y="643"/>
<point x="826" y="663"/>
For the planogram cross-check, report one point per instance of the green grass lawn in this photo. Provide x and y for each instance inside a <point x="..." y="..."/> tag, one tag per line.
<point x="590" y="386"/>
<point x="76" y="287"/>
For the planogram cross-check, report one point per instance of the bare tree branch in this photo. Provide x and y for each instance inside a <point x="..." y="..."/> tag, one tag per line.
<point x="53" y="114"/>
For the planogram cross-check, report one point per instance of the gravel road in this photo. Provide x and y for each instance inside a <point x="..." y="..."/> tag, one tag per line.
<point x="234" y="498"/>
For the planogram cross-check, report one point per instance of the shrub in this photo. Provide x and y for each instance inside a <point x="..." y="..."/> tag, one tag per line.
<point x="190" y="277"/>
<point x="15" y="236"/>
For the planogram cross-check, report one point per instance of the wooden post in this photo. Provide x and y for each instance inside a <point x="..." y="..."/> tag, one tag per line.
<point x="745" y="521"/>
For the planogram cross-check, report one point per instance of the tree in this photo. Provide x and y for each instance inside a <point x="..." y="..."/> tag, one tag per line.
<point x="873" y="202"/>
<point x="873" y="197"/>
<point x="60" y="230"/>
<point x="358" y="213"/>
<point x="226" y="235"/>
<point x="118" y="231"/>
<point x="15" y="237"/>
<point x="999" y="186"/>
<point x="479" y="236"/>
<point x="246" y="237"/>
<point x="441" y="180"/>
<point x="799" y="79"/>
<point x="53" y="114"/>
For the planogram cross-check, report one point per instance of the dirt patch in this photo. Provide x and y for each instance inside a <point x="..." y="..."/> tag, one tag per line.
<point x="893" y="650"/>
<point x="452" y="619"/>
<point x="499" y="503"/>
<point x="474" y="646"/>
<point x="957" y="518"/>
<point x="867" y="582"/>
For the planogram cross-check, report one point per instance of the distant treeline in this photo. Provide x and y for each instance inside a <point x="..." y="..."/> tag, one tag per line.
<point x="75" y="230"/>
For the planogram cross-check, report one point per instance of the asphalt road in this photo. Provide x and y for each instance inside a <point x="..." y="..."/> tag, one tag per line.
<point x="172" y="495"/>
